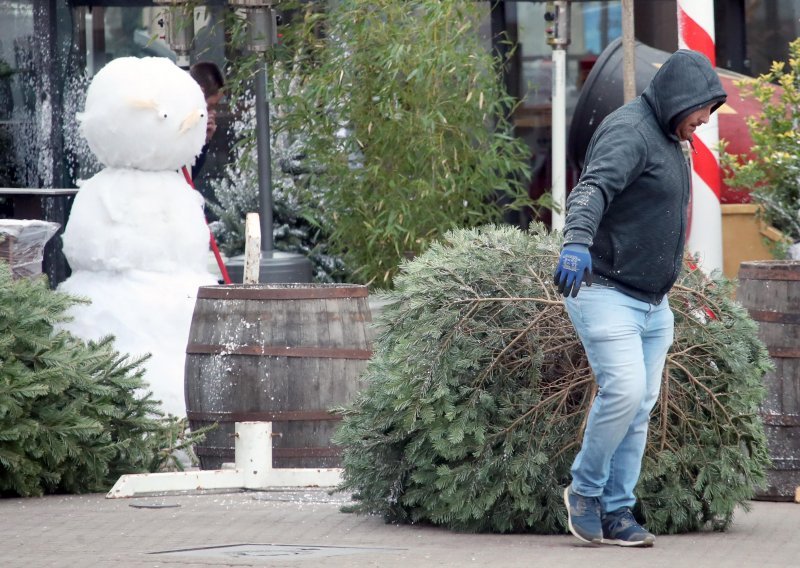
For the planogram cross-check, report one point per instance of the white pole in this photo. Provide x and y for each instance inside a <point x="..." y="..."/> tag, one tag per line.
<point x="253" y="453"/>
<point x="559" y="142"/>
<point x="558" y="36"/>
<point x="252" y="249"/>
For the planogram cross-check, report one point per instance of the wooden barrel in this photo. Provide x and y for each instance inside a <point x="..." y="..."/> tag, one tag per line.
<point x="770" y="290"/>
<point x="286" y="353"/>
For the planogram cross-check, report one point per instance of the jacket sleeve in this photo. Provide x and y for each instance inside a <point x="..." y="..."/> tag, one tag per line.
<point x="616" y="157"/>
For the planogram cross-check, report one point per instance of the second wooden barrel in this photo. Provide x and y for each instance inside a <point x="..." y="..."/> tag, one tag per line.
<point x="286" y="353"/>
<point x="770" y="290"/>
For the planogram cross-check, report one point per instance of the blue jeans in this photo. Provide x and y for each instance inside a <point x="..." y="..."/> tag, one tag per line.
<point x="626" y="341"/>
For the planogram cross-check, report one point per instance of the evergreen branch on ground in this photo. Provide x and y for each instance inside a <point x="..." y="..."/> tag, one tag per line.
<point x="74" y="415"/>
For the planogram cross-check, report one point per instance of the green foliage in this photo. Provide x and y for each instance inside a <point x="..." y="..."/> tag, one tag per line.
<point x="404" y="117"/>
<point x="707" y="448"/>
<point x="72" y="417"/>
<point x="237" y="193"/>
<point x="478" y="390"/>
<point x="773" y="173"/>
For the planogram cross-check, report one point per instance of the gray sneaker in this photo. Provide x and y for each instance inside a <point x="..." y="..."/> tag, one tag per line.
<point x="620" y="528"/>
<point x="583" y="516"/>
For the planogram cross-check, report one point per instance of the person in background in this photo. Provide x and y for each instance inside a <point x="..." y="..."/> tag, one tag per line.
<point x="624" y="238"/>
<point x="208" y="75"/>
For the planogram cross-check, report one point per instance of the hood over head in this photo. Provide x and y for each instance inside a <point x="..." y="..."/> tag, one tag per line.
<point x="685" y="83"/>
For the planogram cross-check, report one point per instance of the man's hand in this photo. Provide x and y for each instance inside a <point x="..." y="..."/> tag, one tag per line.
<point x="574" y="267"/>
<point x="211" y="125"/>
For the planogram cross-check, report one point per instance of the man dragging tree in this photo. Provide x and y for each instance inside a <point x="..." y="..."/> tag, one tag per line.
<point x="624" y="238"/>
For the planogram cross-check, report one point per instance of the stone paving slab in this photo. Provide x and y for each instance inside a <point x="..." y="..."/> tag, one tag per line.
<point x="304" y="529"/>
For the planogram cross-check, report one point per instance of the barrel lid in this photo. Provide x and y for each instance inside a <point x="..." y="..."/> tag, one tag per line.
<point x="770" y="270"/>
<point x="292" y="291"/>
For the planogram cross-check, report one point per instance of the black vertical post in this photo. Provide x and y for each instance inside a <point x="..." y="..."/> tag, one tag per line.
<point x="604" y="23"/>
<point x="264" y="157"/>
<point x="732" y="36"/>
<point x="500" y="41"/>
<point x="46" y="56"/>
<point x="501" y="47"/>
<point x="52" y="37"/>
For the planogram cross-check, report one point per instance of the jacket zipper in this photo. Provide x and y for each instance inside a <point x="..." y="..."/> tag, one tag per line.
<point x="687" y="174"/>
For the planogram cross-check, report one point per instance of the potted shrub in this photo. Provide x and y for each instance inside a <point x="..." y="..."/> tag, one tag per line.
<point x="772" y="172"/>
<point x="403" y="118"/>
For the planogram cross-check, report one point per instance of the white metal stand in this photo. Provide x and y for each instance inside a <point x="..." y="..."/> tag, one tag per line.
<point x="559" y="137"/>
<point x="253" y="470"/>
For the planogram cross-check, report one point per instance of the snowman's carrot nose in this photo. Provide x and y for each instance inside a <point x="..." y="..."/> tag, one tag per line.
<point x="143" y="103"/>
<point x="191" y="119"/>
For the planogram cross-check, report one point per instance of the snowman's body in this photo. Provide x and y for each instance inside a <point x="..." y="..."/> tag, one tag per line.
<point x="136" y="240"/>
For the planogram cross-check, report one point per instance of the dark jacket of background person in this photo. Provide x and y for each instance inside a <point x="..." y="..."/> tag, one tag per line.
<point x="630" y="205"/>
<point x="209" y="76"/>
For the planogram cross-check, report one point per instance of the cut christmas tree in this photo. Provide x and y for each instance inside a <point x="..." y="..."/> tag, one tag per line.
<point x="478" y="390"/>
<point x="74" y="416"/>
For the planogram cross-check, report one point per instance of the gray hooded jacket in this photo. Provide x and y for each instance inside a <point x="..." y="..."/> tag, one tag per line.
<point x="631" y="203"/>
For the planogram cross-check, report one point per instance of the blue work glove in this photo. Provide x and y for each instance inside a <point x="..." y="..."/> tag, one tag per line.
<point x="574" y="267"/>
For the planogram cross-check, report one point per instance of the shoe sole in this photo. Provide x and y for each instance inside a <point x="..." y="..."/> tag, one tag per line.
<point x="569" y="522"/>
<point x="646" y="543"/>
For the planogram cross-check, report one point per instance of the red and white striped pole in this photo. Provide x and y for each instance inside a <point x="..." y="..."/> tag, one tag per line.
<point x="696" y="32"/>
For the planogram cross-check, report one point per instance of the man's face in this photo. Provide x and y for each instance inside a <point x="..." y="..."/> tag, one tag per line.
<point x="211" y="103"/>
<point x="689" y="124"/>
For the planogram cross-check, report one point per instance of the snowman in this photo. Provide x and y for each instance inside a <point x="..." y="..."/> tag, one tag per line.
<point x="136" y="239"/>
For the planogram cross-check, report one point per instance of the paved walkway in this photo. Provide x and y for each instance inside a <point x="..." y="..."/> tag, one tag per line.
<point x="302" y="529"/>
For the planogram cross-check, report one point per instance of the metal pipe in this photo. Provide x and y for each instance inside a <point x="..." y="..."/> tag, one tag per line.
<point x="558" y="32"/>
<point x="179" y="30"/>
<point x="264" y="158"/>
<point x="559" y="143"/>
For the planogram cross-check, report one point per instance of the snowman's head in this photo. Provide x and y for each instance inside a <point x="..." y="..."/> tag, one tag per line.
<point x="144" y="114"/>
